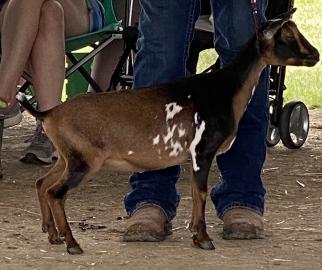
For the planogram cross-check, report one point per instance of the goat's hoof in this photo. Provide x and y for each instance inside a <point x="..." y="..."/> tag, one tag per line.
<point x="55" y="240"/>
<point x="203" y="244"/>
<point x="207" y="244"/>
<point x="74" y="250"/>
<point x="45" y="228"/>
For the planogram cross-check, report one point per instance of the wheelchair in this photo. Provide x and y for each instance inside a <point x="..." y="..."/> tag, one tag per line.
<point x="289" y="122"/>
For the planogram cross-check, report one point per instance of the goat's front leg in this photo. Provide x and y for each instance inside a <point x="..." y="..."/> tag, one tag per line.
<point x="42" y="184"/>
<point x="199" y="195"/>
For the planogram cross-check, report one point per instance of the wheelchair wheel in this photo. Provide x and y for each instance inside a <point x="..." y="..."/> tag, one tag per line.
<point x="273" y="135"/>
<point x="294" y="124"/>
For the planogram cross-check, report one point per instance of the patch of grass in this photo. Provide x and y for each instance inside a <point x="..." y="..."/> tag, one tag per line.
<point x="302" y="83"/>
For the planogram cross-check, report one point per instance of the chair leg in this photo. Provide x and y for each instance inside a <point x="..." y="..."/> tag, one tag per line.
<point x="1" y="136"/>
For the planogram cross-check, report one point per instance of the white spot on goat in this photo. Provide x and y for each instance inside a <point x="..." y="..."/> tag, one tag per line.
<point x="199" y="131"/>
<point x="170" y="144"/>
<point x="169" y="135"/>
<point x="182" y="132"/>
<point x="172" y="109"/>
<point x="176" y="149"/>
<point x="156" y="140"/>
<point x="130" y="153"/>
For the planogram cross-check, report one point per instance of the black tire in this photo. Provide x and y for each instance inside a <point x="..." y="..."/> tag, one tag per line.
<point x="272" y="136"/>
<point x="294" y="124"/>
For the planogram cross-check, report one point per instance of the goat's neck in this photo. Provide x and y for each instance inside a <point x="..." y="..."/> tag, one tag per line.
<point x="248" y="68"/>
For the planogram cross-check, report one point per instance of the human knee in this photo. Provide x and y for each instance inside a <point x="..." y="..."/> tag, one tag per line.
<point x="51" y="16"/>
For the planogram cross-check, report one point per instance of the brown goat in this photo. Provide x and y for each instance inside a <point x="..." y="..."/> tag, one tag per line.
<point x="159" y="126"/>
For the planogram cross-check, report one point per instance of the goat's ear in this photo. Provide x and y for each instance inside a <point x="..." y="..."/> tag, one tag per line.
<point x="274" y="25"/>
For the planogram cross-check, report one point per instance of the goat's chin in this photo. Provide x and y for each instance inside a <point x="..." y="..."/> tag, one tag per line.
<point x="306" y="62"/>
<point x="310" y="62"/>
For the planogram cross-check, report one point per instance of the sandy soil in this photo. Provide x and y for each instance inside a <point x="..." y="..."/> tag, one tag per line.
<point x="293" y="218"/>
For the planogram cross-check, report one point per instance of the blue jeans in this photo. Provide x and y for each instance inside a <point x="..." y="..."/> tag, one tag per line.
<point x="166" y="30"/>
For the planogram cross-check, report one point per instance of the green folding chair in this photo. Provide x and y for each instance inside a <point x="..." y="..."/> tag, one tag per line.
<point x="97" y="40"/>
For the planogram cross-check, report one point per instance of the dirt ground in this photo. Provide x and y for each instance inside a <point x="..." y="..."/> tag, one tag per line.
<point x="293" y="218"/>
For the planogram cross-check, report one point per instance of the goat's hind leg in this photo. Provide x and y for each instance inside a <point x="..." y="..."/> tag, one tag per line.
<point x="76" y="170"/>
<point x="42" y="184"/>
<point x="197" y="226"/>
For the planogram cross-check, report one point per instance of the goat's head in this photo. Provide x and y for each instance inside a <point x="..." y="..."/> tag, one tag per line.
<point x="281" y="43"/>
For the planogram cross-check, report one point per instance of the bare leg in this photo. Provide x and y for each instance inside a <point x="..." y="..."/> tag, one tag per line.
<point x="20" y="25"/>
<point x="48" y="56"/>
<point x="19" y="29"/>
<point x="105" y="63"/>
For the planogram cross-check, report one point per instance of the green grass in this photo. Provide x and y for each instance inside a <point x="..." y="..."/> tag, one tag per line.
<point x="302" y="83"/>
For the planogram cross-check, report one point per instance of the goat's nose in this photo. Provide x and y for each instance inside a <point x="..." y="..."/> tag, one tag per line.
<point x="314" y="55"/>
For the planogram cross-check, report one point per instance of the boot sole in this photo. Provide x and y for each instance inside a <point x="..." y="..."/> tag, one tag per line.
<point x="31" y="158"/>
<point x="144" y="236"/>
<point x="240" y="235"/>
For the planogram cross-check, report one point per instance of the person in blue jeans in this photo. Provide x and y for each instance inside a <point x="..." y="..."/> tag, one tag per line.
<point x="166" y="30"/>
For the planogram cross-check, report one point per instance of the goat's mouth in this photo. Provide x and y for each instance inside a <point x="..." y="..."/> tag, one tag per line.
<point x="310" y="60"/>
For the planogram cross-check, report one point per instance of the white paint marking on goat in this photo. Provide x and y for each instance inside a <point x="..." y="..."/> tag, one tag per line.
<point x="156" y="140"/>
<point x="130" y="153"/>
<point x="199" y="131"/>
<point x="172" y="109"/>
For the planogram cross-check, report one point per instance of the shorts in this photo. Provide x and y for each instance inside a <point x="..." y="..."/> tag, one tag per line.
<point x="96" y="15"/>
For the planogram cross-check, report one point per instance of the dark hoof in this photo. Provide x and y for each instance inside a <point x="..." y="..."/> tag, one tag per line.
<point x="208" y="245"/>
<point x="204" y="244"/>
<point x="74" y="250"/>
<point x="55" y="240"/>
<point x="45" y="228"/>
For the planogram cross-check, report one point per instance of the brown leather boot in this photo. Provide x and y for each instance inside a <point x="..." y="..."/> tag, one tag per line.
<point x="147" y="224"/>
<point x="242" y="223"/>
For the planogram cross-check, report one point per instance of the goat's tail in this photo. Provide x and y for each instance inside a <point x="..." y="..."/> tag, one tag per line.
<point x="25" y="103"/>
